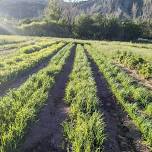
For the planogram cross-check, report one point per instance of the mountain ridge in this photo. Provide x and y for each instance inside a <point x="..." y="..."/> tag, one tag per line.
<point x="119" y="8"/>
<point x="20" y="9"/>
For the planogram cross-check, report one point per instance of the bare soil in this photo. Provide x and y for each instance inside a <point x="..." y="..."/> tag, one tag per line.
<point x="133" y="73"/>
<point x="18" y="81"/>
<point x="122" y="135"/>
<point x="46" y="135"/>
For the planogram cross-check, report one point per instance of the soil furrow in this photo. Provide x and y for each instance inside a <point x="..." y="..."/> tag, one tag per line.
<point x="46" y="135"/>
<point x="5" y="87"/>
<point x="122" y="135"/>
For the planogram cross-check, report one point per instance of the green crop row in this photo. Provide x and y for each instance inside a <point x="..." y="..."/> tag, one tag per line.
<point x="135" y="99"/>
<point x="16" y="45"/>
<point x="10" y="41"/>
<point x="84" y="129"/>
<point x="25" y="48"/>
<point x="37" y="47"/>
<point x="11" y="68"/>
<point x="19" y="107"/>
<point x="140" y="94"/>
<point x="110" y="48"/>
<point x="135" y="62"/>
<point x="10" y="50"/>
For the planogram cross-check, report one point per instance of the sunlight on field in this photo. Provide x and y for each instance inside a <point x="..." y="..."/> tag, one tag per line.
<point x="79" y="84"/>
<point x="7" y="29"/>
<point x="144" y="50"/>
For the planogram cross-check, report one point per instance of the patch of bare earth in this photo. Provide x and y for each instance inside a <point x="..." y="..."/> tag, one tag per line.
<point x="122" y="135"/>
<point x="46" y="135"/>
<point x="18" y="81"/>
<point x="133" y="73"/>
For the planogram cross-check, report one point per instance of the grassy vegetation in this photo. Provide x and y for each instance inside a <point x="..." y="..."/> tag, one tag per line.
<point x="37" y="46"/>
<point x="19" y="107"/>
<point x="85" y="127"/>
<point x="15" y="48"/>
<point x="12" y="39"/>
<point x="134" y="56"/>
<point x="111" y="47"/>
<point x="143" y="67"/>
<point x="22" y="62"/>
<point x="15" y="45"/>
<point x="134" y="98"/>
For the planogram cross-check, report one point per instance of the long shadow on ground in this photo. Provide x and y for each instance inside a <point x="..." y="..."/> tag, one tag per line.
<point x="119" y="136"/>
<point x="47" y="134"/>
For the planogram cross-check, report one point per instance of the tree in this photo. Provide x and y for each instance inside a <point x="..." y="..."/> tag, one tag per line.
<point x="69" y="14"/>
<point x="132" y="30"/>
<point x="146" y="28"/>
<point x="113" y="28"/>
<point x="54" y="10"/>
<point x="134" y="10"/>
<point x="100" y="22"/>
<point x="84" y="27"/>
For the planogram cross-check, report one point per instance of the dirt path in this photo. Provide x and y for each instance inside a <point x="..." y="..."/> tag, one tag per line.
<point x="122" y="135"/>
<point x="47" y="135"/>
<point x="139" y="79"/>
<point x="5" y="87"/>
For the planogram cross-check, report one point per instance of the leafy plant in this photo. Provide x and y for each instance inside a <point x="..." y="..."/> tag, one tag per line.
<point x="85" y="127"/>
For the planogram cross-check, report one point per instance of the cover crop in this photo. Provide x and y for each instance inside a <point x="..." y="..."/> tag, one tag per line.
<point x="85" y="127"/>
<point x="20" y="107"/>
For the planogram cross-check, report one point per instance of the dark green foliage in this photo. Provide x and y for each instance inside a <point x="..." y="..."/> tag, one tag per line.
<point x="146" y="70"/>
<point x="84" y="27"/>
<point x="131" y="30"/>
<point x="135" y="99"/>
<point x="146" y="29"/>
<point x="111" y="28"/>
<point x="44" y="28"/>
<point x="133" y="61"/>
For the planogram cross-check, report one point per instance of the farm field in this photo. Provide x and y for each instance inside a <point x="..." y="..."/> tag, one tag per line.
<point x="60" y="95"/>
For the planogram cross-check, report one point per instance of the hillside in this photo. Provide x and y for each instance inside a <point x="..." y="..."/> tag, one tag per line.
<point x="22" y="8"/>
<point x="120" y="8"/>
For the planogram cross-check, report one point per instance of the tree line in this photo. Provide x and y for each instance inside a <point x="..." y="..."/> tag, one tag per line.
<point x="62" y="19"/>
<point x="97" y="26"/>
